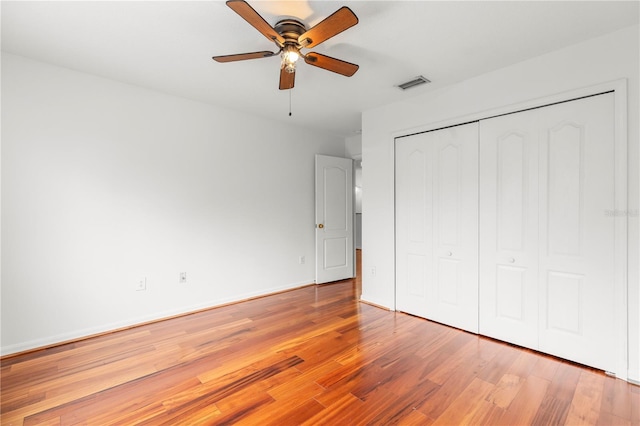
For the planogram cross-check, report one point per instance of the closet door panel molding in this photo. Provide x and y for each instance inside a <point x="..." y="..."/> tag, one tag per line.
<point x="508" y="283"/>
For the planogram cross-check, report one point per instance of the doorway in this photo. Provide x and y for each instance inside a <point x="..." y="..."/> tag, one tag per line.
<point x="357" y="164"/>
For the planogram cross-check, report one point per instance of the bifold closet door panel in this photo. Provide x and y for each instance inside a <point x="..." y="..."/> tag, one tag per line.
<point x="576" y="253"/>
<point x="437" y="225"/>
<point x="453" y="293"/>
<point x="508" y="268"/>
<point x="414" y="223"/>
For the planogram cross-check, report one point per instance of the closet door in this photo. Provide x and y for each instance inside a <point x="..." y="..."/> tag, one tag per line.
<point x="508" y="285"/>
<point x="414" y="223"/>
<point x="576" y="235"/>
<point x="437" y="225"/>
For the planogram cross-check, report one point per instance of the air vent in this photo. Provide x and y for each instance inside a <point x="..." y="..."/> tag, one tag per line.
<point x="413" y="83"/>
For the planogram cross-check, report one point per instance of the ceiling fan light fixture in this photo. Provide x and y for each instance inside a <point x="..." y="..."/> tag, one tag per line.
<point x="290" y="55"/>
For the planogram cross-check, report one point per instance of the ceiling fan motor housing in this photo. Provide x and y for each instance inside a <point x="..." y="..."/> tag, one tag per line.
<point x="290" y="30"/>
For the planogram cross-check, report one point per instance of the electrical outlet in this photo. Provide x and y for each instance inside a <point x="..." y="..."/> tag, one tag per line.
<point x="301" y="260"/>
<point x="183" y="277"/>
<point x="373" y="270"/>
<point x="141" y="284"/>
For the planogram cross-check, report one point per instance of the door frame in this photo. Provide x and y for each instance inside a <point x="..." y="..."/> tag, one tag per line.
<point x="619" y="215"/>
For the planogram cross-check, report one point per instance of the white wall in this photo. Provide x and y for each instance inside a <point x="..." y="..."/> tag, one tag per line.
<point x="353" y="147"/>
<point x="104" y="183"/>
<point x="600" y="60"/>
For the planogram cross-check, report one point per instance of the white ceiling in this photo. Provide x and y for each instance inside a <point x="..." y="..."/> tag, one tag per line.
<point x="168" y="45"/>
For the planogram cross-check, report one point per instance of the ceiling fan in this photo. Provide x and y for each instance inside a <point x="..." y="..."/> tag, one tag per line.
<point x="291" y="35"/>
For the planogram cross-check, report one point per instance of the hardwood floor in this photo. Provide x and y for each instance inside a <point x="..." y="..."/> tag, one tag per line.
<point x="309" y="356"/>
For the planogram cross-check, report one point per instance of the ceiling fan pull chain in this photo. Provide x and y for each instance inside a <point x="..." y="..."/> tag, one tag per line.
<point x="290" y="90"/>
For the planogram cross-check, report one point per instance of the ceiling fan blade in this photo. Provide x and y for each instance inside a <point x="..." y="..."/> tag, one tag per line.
<point x="244" y="56"/>
<point x="332" y="64"/>
<point x="249" y="14"/>
<point x="286" y="79"/>
<point x="334" y="24"/>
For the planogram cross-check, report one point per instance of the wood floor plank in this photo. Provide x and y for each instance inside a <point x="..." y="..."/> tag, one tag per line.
<point x="635" y="405"/>
<point x="86" y="386"/>
<point x="340" y="412"/>
<point x="412" y="378"/>
<point x="291" y="411"/>
<point x="434" y="338"/>
<point x="453" y="360"/>
<point x="587" y="399"/>
<point x="313" y="356"/>
<point x="618" y="399"/>
<point x="384" y="407"/>
<point x="556" y="402"/>
<point x="608" y="419"/>
<point x="375" y="406"/>
<point x="506" y="390"/>
<point x="365" y="377"/>
<point x="545" y="367"/>
<point x="469" y="406"/>
<point x="457" y="381"/>
<point x="499" y="364"/>
<point x="303" y="383"/>
<point x="525" y="407"/>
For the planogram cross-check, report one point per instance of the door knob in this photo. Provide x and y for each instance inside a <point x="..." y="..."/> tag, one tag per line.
<point x="512" y="260"/>
<point x="449" y="253"/>
<point x="320" y="226"/>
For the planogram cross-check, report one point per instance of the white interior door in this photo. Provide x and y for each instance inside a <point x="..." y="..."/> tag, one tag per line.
<point x="414" y="223"/>
<point x="334" y="219"/>
<point x="509" y="228"/>
<point x="437" y="225"/>
<point x="577" y="237"/>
